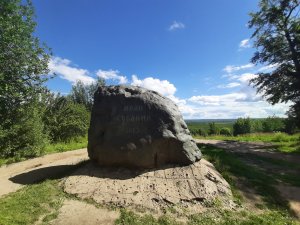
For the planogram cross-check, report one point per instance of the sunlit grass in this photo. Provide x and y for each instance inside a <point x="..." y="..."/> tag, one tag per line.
<point x="27" y="205"/>
<point x="66" y="146"/>
<point x="74" y="144"/>
<point x="282" y="142"/>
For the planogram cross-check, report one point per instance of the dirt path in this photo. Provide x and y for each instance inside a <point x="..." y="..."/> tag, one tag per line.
<point x="257" y="148"/>
<point x="13" y="176"/>
<point x="288" y="192"/>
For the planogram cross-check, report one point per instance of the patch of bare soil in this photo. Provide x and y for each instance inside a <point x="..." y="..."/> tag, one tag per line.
<point x="15" y="176"/>
<point x="292" y="194"/>
<point x="185" y="189"/>
<point x="81" y="213"/>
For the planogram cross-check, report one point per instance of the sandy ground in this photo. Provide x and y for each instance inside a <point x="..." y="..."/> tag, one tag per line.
<point x="75" y="212"/>
<point x="190" y="187"/>
<point x="16" y="175"/>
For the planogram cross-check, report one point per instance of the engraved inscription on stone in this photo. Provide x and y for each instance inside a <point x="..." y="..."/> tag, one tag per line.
<point x="131" y="126"/>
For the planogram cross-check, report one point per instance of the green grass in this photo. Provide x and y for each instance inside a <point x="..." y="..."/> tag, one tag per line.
<point x="212" y="217"/>
<point x="130" y="218"/>
<point x="230" y="166"/>
<point x="274" y="210"/>
<point x="66" y="146"/>
<point x="226" y="217"/>
<point x="30" y="203"/>
<point x="77" y="143"/>
<point x="282" y="142"/>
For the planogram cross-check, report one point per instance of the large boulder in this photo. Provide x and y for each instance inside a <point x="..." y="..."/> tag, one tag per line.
<point x="135" y="127"/>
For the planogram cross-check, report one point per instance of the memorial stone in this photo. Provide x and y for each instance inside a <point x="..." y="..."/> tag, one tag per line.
<point x="135" y="127"/>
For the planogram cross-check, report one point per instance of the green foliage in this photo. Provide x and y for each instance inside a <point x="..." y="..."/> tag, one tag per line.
<point x="257" y="125"/>
<point x="84" y="93"/>
<point x="26" y="137"/>
<point x="225" y="131"/>
<point x="73" y="144"/>
<point x="213" y="129"/>
<point x="242" y="126"/>
<point x="23" y="61"/>
<point x="272" y="124"/>
<point x="202" y="132"/>
<point x="277" y="39"/>
<point x="64" y="119"/>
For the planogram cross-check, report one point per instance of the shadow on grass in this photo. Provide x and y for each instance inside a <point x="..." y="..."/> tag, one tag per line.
<point x="231" y="167"/>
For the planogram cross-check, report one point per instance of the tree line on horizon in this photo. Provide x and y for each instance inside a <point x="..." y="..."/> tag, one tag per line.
<point x="31" y="116"/>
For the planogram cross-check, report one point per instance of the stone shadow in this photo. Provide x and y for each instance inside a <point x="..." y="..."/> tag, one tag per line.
<point x="86" y="168"/>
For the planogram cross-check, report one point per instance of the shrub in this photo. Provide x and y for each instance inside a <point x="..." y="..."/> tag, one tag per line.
<point x="25" y="136"/>
<point x="242" y="126"/>
<point x="256" y="125"/>
<point x="290" y="125"/>
<point x="225" y="131"/>
<point x="66" y="120"/>
<point x="272" y="124"/>
<point x="202" y="132"/>
<point x="213" y="129"/>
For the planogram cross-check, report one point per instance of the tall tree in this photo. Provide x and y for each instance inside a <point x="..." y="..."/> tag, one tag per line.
<point x="84" y="93"/>
<point x="277" y="39"/>
<point x="23" y="61"/>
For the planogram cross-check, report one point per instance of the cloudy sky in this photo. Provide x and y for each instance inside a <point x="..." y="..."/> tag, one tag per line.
<point x="195" y="52"/>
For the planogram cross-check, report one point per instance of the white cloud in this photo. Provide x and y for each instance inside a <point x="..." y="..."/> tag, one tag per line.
<point x="163" y="87"/>
<point x="245" y="43"/>
<point x="219" y="99"/>
<point x="176" y="25"/>
<point x="268" y="67"/>
<point x="230" y="85"/>
<point x="240" y="103"/>
<point x="246" y="77"/>
<point x="112" y="75"/>
<point x="231" y="68"/>
<point x="65" y="70"/>
<point x="259" y="109"/>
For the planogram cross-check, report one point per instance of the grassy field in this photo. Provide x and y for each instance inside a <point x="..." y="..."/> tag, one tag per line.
<point x="41" y="201"/>
<point x="203" y="124"/>
<point x="53" y="148"/>
<point x="281" y="142"/>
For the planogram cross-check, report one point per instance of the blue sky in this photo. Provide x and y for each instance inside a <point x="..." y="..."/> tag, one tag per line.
<point x="195" y="52"/>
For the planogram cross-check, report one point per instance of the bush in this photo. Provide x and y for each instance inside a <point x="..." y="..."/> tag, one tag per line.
<point x="213" y="129"/>
<point x="256" y="125"/>
<point x="25" y="136"/>
<point x="202" y="132"/>
<point x="242" y="126"/>
<point x="272" y="124"/>
<point x="225" y="131"/>
<point x="66" y="120"/>
<point x="290" y="125"/>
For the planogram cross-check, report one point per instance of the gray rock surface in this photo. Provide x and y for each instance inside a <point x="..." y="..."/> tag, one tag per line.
<point x="135" y="127"/>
